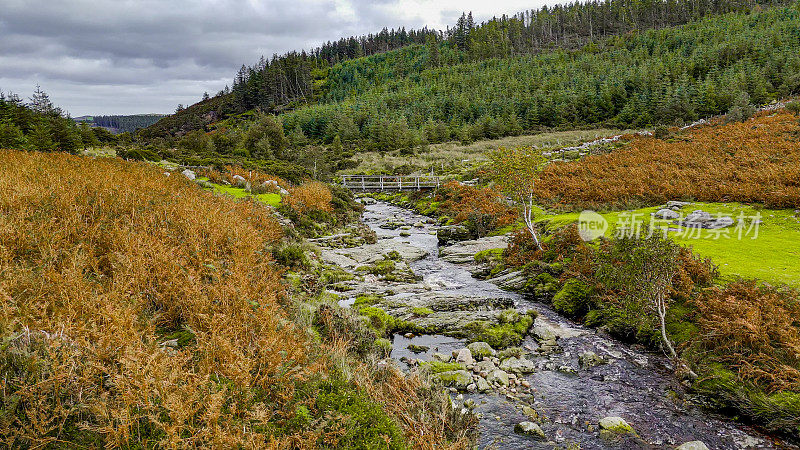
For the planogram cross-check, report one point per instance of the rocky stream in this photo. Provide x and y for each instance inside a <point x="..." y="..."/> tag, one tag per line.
<point x="573" y="387"/>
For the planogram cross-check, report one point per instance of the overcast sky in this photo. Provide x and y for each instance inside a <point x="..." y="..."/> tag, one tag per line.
<point x="129" y="57"/>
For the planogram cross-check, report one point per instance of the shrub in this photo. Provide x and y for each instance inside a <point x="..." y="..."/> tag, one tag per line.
<point x="511" y="330"/>
<point x="104" y="260"/>
<point x="752" y="329"/>
<point x="479" y="209"/>
<point x="139" y="154"/>
<point x="794" y="107"/>
<point x="741" y="110"/>
<point x="354" y="420"/>
<point x="714" y="163"/>
<point x="662" y="132"/>
<point x="310" y="196"/>
<point x="290" y="255"/>
<point x="114" y="252"/>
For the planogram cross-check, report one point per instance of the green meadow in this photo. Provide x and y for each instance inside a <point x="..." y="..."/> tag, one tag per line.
<point x="769" y="250"/>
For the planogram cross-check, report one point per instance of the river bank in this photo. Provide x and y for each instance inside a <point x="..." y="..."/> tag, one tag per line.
<point x="566" y="399"/>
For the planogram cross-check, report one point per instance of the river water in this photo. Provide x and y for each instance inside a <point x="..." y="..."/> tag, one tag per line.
<point x="635" y="385"/>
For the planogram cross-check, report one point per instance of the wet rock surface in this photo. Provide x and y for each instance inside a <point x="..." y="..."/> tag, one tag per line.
<point x="465" y="251"/>
<point x="579" y="376"/>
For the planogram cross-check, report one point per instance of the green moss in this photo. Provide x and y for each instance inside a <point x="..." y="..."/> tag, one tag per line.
<point x="435" y="367"/>
<point x="509" y="332"/>
<point x="383" y="323"/>
<point x="418" y="348"/>
<point x="269" y="199"/>
<point x="333" y="276"/>
<point x="383" y="347"/>
<point x="573" y="300"/>
<point x="492" y="254"/>
<point x="367" y="300"/>
<point x="339" y="287"/>
<point x="383" y="267"/>
<point x="517" y="352"/>
<point x="422" y="312"/>
<point x="393" y="255"/>
<point x="185" y="337"/>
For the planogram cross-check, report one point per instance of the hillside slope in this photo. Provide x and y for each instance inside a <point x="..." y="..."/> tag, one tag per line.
<point x="141" y="311"/>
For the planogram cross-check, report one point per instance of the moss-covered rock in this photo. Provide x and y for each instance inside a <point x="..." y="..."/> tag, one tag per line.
<point x="481" y="350"/>
<point x="458" y="379"/>
<point x="573" y="300"/>
<point x="509" y="332"/>
<point x="434" y="367"/>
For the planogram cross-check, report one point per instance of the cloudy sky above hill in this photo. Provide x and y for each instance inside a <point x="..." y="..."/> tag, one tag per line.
<point x="129" y="57"/>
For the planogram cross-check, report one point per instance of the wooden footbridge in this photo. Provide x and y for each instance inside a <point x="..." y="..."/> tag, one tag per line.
<point x="377" y="183"/>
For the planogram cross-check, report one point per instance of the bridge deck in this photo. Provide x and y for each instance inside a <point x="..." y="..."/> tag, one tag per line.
<point x="389" y="182"/>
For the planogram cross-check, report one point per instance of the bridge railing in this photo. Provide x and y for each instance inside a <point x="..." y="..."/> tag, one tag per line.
<point x="389" y="182"/>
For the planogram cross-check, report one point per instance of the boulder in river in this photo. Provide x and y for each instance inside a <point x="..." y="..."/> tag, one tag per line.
<point x="350" y="258"/>
<point x="590" y="359"/>
<point x="458" y="379"/>
<point x="615" y="424"/>
<point x="485" y="366"/>
<point x="517" y="365"/>
<point x="483" y="385"/>
<point x="513" y="281"/>
<point x="441" y="357"/>
<point x="529" y="429"/>
<point x="464" y="251"/>
<point x="480" y="350"/>
<point x="452" y="233"/>
<point x="693" y="445"/>
<point x="464" y="356"/>
<point x="498" y="376"/>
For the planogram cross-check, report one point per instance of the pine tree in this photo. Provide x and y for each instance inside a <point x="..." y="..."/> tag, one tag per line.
<point x="40" y="103"/>
<point x="433" y="51"/>
<point x="39" y="138"/>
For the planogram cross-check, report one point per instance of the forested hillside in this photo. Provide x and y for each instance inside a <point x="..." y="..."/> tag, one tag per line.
<point x="122" y="124"/>
<point x="336" y="71"/>
<point x="670" y="75"/>
<point x="402" y="100"/>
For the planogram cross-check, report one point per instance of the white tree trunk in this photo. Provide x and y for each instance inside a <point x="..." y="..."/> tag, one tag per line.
<point x="529" y="223"/>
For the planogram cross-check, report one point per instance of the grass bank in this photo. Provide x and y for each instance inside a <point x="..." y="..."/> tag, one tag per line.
<point x="767" y="251"/>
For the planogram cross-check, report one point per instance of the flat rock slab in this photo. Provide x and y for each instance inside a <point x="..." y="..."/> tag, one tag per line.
<point x="350" y="258"/>
<point x="545" y="329"/>
<point x="445" y="301"/>
<point x="444" y="322"/>
<point x="464" y="251"/>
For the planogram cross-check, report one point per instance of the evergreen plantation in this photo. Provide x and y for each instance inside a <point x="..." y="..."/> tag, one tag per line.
<point x="668" y="76"/>
<point x="438" y="92"/>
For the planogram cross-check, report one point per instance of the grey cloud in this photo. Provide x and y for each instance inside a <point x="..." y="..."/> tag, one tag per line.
<point x="106" y="57"/>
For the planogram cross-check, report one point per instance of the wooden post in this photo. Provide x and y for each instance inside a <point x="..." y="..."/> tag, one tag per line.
<point x="381" y="183"/>
<point x="362" y="184"/>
